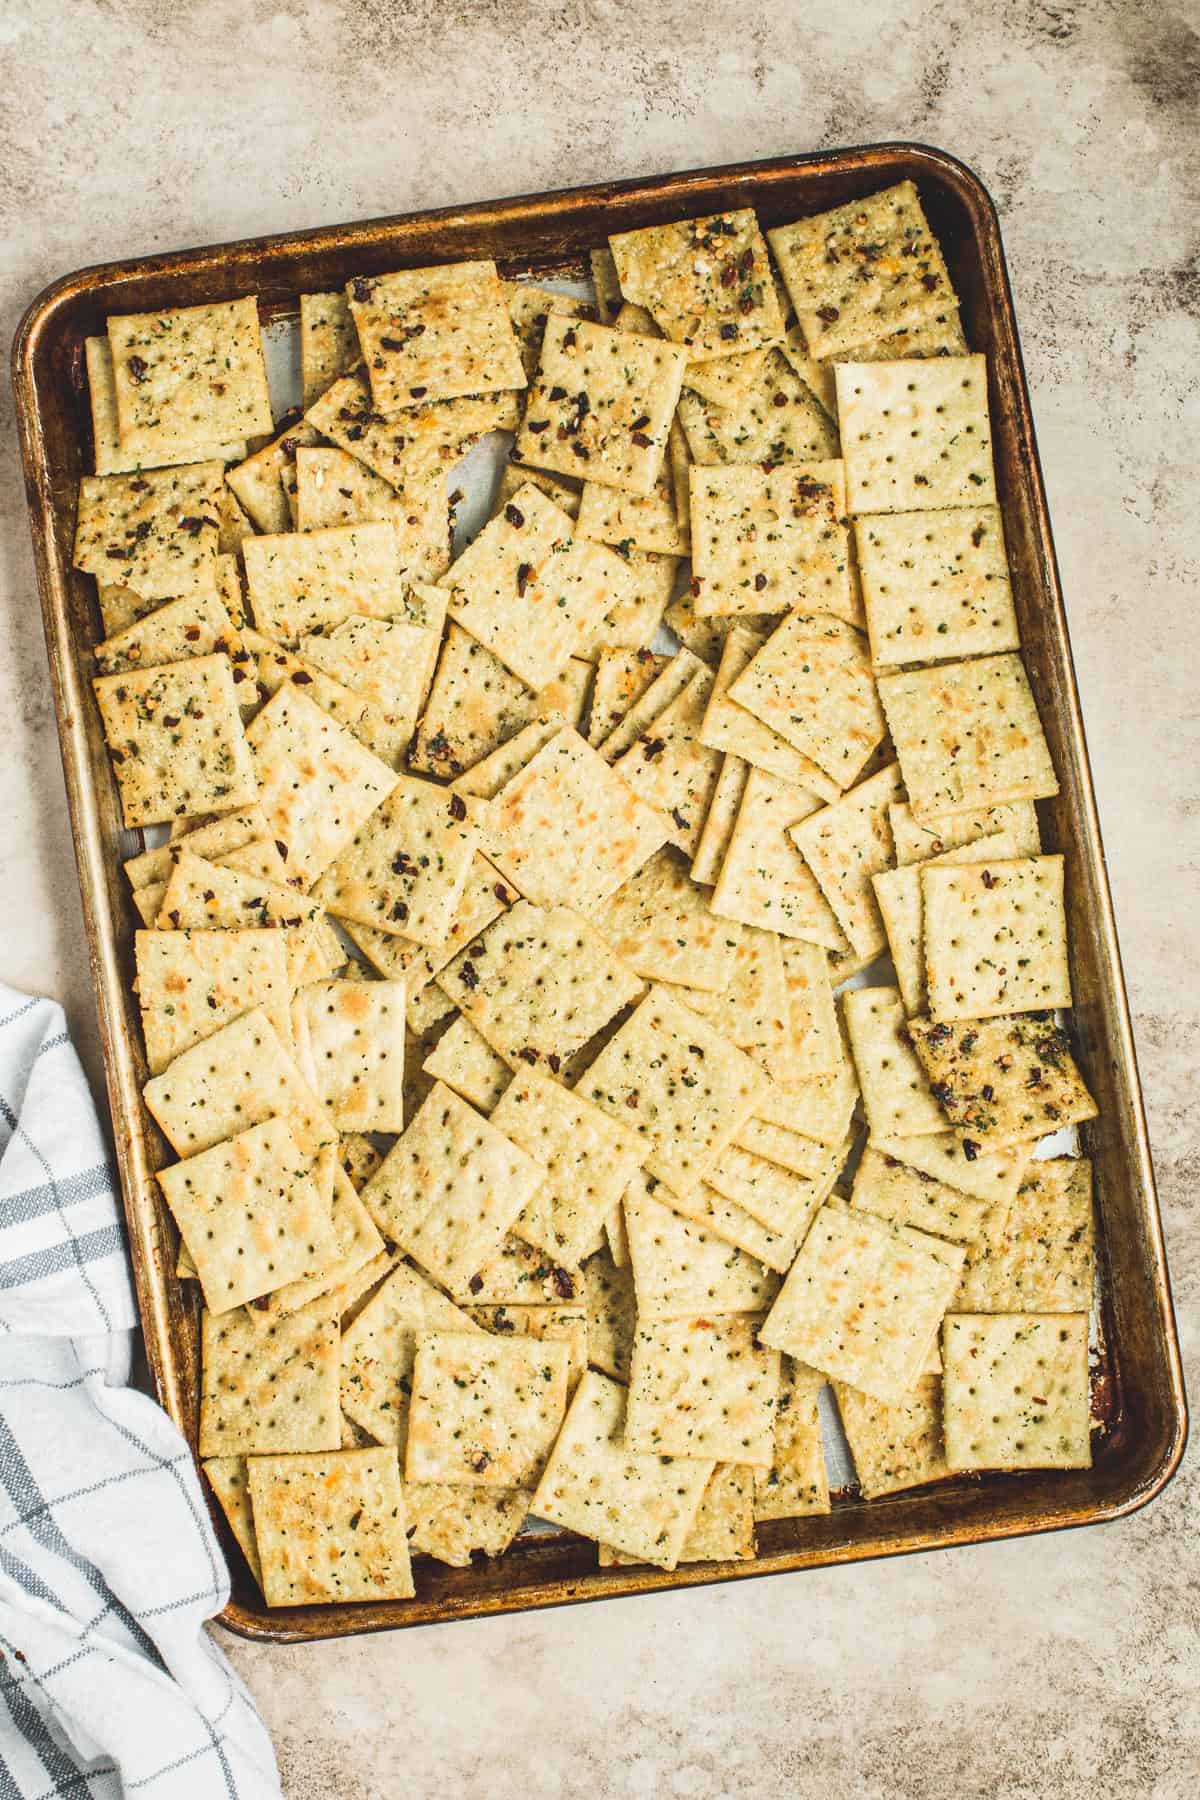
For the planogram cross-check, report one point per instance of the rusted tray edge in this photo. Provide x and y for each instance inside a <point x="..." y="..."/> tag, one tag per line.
<point x="69" y="697"/>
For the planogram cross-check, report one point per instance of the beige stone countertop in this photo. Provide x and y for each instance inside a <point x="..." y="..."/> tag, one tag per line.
<point x="1061" y="1666"/>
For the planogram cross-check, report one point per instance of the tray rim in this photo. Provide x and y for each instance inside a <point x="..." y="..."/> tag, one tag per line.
<point x="106" y="279"/>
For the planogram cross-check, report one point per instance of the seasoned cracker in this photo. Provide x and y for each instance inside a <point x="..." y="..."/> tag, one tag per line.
<point x="588" y="1160"/>
<point x="769" y="540"/>
<point x="356" y="1031"/>
<point x="529" y="306"/>
<point x="636" y="521"/>
<point x="406" y="867"/>
<point x="917" y="843"/>
<point x="328" y="343"/>
<point x="331" y="1528"/>
<point x="702" y="1387"/>
<point x="895" y="1444"/>
<point x="311" y="580"/>
<point x="907" y="1196"/>
<point x="731" y="728"/>
<point x="239" y="1077"/>
<point x="1037" y="1255"/>
<point x="936" y="585"/>
<point x="333" y="488"/>
<point x="475" y="705"/>
<point x="258" y="481"/>
<point x="811" y="683"/>
<point x="764" y="880"/>
<point x="995" y="937"/>
<point x="844" y="845"/>
<point x="175" y="737"/>
<point x="1016" y="1391"/>
<point x="434" y="334"/>
<point x="671" y="769"/>
<point x="188" y="375"/>
<point x="611" y="1308"/>
<point x="191" y="983"/>
<point x="796" y="1484"/>
<point x="1003" y="1080"/>
<point x="992" y="1176"/>
<point x="110" y="457"/>
<point x="776" y="419"/>
<point x="896" y="1094"/>
<point x="659" y="924"/>
<point x="466" y="1062"/>
<point x="898" y="897"/>
<point x="449" y="1523"/>
<point x="622" y="677"/>
<point x="154" y="533"/>
<point x="916" y="435"/>
<point x="414" y="443"/>
<point x="485" y="1411"/>
<point x="680" y="1269"/>
<point x="277" y="1391"/>
<point x="707" y="282"/>
<point x="379" y="1346"/>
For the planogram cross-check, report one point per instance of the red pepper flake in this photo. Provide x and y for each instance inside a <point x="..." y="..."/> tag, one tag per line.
<point x="641" y="440"/>
<point x="570" y="339"/>
<point x="138" y="486"/>
<point x="479" y="1463"/>
<point x="515" y="516"/>
<point x="988" y="879"/>
<point x="528" y="1054"/>
<point x="418" y="393"/>
<point x="694" y="586"/>
<point x="779" y="400"/>
<point x="302" y="678"/>
<point x="362" y="290"/>
<point x="652" y="747"/>
<point x="828" y="314"/>
<point x="640" y="423"/>
<point x="476" y="1284"/>
<point x="458" y="807"/>
<point x="138" y="369"/>
<point x="728" y="275"/>
<point x="746" y="303"/>
<point x="192" y="633"/>
<point x="555" y="1061"/>
<point x="470" y="976"/>
<point x="538" y="425"/>
<point x="631" y="1101"/>
<point x="679" y="819"/>
<point x="282" y="849"/>
<point x="564" y="1287"/>
<point x="970" y="1149"/>
<point x="760" y="582"/>
<point x="524" y="577"/>
<point x="729" y="332"/>
<point x="391" y="343"/>
<point x="931" y="282"/>
<point x="977" y="536"/>
<point x="502" y="894"/>
<point x="747" y="262"/>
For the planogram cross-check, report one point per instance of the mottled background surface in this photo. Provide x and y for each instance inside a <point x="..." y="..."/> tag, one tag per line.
<point x="1065" y="1666"/>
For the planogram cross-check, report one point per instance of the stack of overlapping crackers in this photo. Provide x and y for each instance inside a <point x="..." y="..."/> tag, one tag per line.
<point x="532" y="1156"/>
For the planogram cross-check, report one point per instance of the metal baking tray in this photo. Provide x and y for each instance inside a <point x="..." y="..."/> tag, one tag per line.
<point x="1139" y="1390"/>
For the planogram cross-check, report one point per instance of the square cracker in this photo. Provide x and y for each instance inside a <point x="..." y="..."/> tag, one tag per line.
<point x="671" y="769"/>
<point x="230" y="1483"/>
<point x="191" y="983"/>
<point x="682" y="1087"/>
<point x="601" y="405"/>
<point x="450" y="1188"/>
<point x="466" y="1062"/>
<point x="153" y="533"/>
<point x="916" y="843"/>
<point x="254" y="1212"/>
<point x="723" y="1218"/>
<point x="611" y="1308"/>
<point x="360" y="1264"/>
<point x="752" y="1012"/>
<point x="110" y="457"/>
<point x="485" y="1411"/>
<point x="768" y="540"/>
<point x="188" y="375"/>
<point x="450" y="1523"/>
<point x="707" y="282"/>
<point x="539" y="984"/>
<point x="529" y="306"/>
<point x="519" y="1275"/>
<point x="781" y="1198"/>
<point x="385" y="666"/>
<point x="622" y="677"/>
<point x="862" y="270"/>
<point x="905" y="1196"/>
<point x="356" y="1036"/>
<point x="1039" y="1254"/>
<point x="992" y="1176"/>
<point x="309" y="580"/>
<point x="565" y="1324"/>
<point x="275" y="1391"/>
<point x="936" y="585"/>
<point x="530" y="590"/>
<point x="317" y="783"/>
<point x="240" y="1076"/>
<point x="406" y="867"/>
<point x="896" y="1095"/>
<point x="175" y="737"/>
<point x="436" y="333"/>
<point x="995" y="937"/>
<point x="415" y="443"/>
<point x="775" y="419"/>
<point x="764" y="880"/>
<point x="1016" y="1391"/>
<point x="328" y="342"/>
<point x="895" y="1444"/>
<point x="702" y="1387"/>
<point x="589" y="1160"/>
<point x="916" y="435"/>
<point x="331" y="1528"/>
<point x="567" y="830"/>
<point x="811" y="683"/>
<point x="259" y="481"/>
<point x="731" y="728"/>
<point x="862" y="1303"/>
<point x="648" y="522"/>
<point x="474" y="706"/>
<point x="333" y="488"/>
<point x="844" y="845"/>
<point x="1003" y="1080"/>
<point x="660" y="925"/>
<point x="195" y="626"/>
<point x="796" y="1483"/>
<point x="681" y="1270"/>
<point x="967" y="735"/>
<point x="722" y="815"/>
<point x="898" y="897"/>
<point x="379" y="1345"/>
<point x="673" y="679"/>
<point x="642" y="1505"/>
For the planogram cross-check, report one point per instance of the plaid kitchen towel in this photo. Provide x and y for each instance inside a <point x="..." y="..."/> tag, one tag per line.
<point x="109" y="1684"/>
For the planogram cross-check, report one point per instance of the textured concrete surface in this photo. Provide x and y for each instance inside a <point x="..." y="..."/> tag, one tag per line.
<point x="1044" y="1669"/>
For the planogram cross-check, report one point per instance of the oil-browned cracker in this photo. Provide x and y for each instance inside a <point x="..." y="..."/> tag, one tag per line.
<point x="175" y="737"/>
<point x="1015" y="1389"/>
<point x="681" y="1269"/>
<point x="660" y="925"/>
<point x="895" y="1444"/>
<point x="936" y="585"/>
<point x="862" y="1302"/>
<point x="995" y="937"/>
<point x="356" y="1036"/>
<point x="844" y="845"/>
<point x="642" y="1505"/>
<point x="916" y="435"/>
<point x="763" y="879"/>
<point x="449" y="1523"/>
<point x="110" y="457"/>
<point x="529" y="306"/>
<point x="189" y="375"/>
<point x="433" y="334"/>
<point x="777" y="419"/>
<point x="240" y="1076"/>
<point x="406" y="868"/>
<point x="450" y="1189"/>
<point x="649" y="522"/>
<point x="254" y="1212"/>
<point x="274" y="1391"/>
<point x="862" y="270"/>
<point x="317" y="783"/>
<point x="589" y="1160"/>
<point x="1002" y="1080"/>
<point x="191" y="983"/>
<point x="485" y="1411"/>
<point x="309" y="580"/>
<point x="812" y="684"/>
<point x="702" y="1387"/>
<point x="1037" y="1255"/>
<point x="568" y="829"/>
<point x="796" y="1483"/>
<point x="992" y="1176"/>
<point x="258" y="481"/>
<point x="379" y="1346"/>
<point x="154" y="533"/>
<point x="414" y="443"/>
<point x="331" y="1528"/>
<point x="328" y="342"/>
<point x="601" y="405"/>
<point x="539" y="983"/>
<point x="670" y="768"/>
<point x="896" y="1095"/>
<point x="906" y="1196"/>
<point x="967" y="735"/>
<point x="475" y="704"/>
<point x="706" y="282"/>
<point x="766" y="540"/>
<point x="682" y="1087"/>
<point x="196" y="626"/>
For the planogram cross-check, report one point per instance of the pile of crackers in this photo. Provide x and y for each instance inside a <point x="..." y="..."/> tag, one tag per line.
<point x="534" y="1157"/>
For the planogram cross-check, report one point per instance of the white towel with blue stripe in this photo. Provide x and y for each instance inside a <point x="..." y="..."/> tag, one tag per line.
<point x="109" y="1684"/>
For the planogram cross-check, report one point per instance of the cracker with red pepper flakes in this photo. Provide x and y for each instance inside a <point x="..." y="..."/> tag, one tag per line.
<point x="406" y="867"/>
<point x="435" y="334"/>
<point x="1015" y="1391"/>
<point x="563" y="1323"/>
<point x="176" y="740"/>
<point x="702" y="1386"/>
<point x="622" y="677"/>
<point x="1017" y="822"/>
<point x="602" y="404"/>
<point x="995" y="938"/>
<point x="414" y="443"/>
<point x="485" y="1410"/>
<point x="936" y="584"/>
<point x="1000" y="1081"/>
<point x="1037" y="1255"/>
<point x="770" y="540"/>
<point x="190" y="983"/>
<point x="676" y="674"/>
<point x="334" y="488"/>
<point x="777" y="421"/>
<point x="916" y="435"/>
<point x="189" y="375"/>
<point x="331" y="1527"/>
<point x="751" y="1010"/>
<point x="379" y="1345"/>
<point x="474" y="706"/>
<point x="895" y="1444"/>
<point x="328" y="343"/>
<point x="812" y="684"/>
<point x="110" y="457"/>
<point x="257" y="482"/>
<point x="529" y="306"/>
<point x="565" y="492"/>
<point x="681" y="1265"/>
<point x="274" y="1391"/>
<point x="863" y="270"/>
<point x="154" y="533"/>
<point x="898" y="897"/>
<point x="466" y="1062"/>
<point x="175" y="631"/>
<point x="906" y="1196"/>
<point x="449" y="1523"/>
<point x="636" y="521"/>
<point x="302" y="581"/>
<point x="671" y="768"/>
<point x="707" y="282"/>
